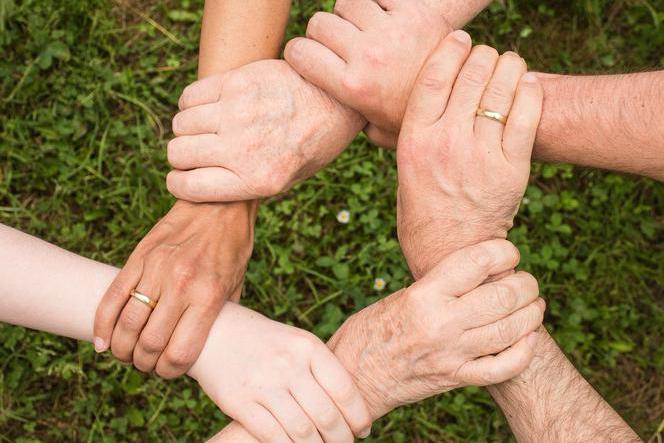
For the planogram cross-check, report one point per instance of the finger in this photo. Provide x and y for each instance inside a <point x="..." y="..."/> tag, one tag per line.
<point x="341" y="388"/>
<point x="135" y="315"/>
<point x="186" y="343"/>
<point x="522" y="123"/>
<point x="389" y="5"/>
<point x="157" y="333"/>
<point x="333" y="32"/>
<point x="321" y="410"/>
<point x="465" y="269"/>
<point x="198" y="151"/>
<point x="491" y="369"/>
<point x="292" y="418"/>
<point x="361" y="13"/>
<point x="496" y="300"/>
<point x="433" y="87"/>
<point x="470" y="85"/>
<point x="260" y="423"/>
<point x="381" y="137"/>
<point x="318" y="65"/>
<point x="201" y="119"/>
<point x="209" y="185"/>
<point x="498" y="97"/>
<point x="204" y="91"/>
<point x="502" y="334"/>
<point x="114" y="300"/>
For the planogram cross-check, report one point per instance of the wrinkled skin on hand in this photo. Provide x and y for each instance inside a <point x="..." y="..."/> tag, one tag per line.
<point x="369" y="57"/>
<point x="461" y="176"/>
<point x="254" y="132"/>
<point x="442" y="332"/>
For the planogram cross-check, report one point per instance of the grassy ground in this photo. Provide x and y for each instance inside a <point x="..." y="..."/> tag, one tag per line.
<point x="86" y="93"/>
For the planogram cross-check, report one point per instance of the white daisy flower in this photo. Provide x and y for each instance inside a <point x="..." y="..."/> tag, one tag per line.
<point x="379" y="284"/>
<point x="343" y="217"/>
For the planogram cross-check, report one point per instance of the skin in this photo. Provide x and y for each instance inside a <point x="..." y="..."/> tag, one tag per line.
<point x="538" y="409"/>
<point x="239" y="154"/>
<point x="609" y="122"/>
<point x="402" y="363"/>
<point x="188" y="268"/>
<point x="211" y="159"/>
<point x="477" y="187"/>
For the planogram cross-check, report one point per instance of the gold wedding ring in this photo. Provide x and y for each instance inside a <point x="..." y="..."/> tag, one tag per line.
<point x="492" y="115"/>
<point x="147" y="301"/>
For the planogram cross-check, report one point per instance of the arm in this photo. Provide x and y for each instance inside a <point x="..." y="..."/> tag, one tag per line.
<point x="444" y="171"/>
<point x="237" y="32"/>
<point x="293" y="127"/>
<point x="604" y="121"/>
<point x="610" y="122"/>
<point x="181" y="261"/>
<point x="439" y="352"/>
<point x="551" y="402"/>
<point x="46" y="288"/>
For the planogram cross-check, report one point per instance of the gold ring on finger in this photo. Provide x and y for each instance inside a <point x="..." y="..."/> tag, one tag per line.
<point x="147" y="301"/>
<point x="492" y="115"/>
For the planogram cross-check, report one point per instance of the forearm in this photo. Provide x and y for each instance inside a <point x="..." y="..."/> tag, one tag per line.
<point x="237" y="32"/>
<point x="458" y="14"/>
<point x="605" y="121"/>
<point x="47" y="288"/>
<point x="552" y="402"/>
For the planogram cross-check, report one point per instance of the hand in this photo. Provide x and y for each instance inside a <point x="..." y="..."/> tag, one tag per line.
<point x="281" y="383"/>
<point x="191" y="262"/>
<point x="461" y="177"/>
<point x="442" y="332"/>
<point x="369" y="57"/>
<point x="254" y="132"/>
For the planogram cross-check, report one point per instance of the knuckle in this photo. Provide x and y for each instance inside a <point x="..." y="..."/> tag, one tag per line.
<point x="355" y="85"/>
<point x="131" y="320"/>
<point x="498" y="93"/>
<point x="474" y="76"/>
<point x="505" y="297"/>
<point x="306" y="343"/>
<point x="329" y="418"/>
<point x="491" y="375"/>
<point x="270" y="184"/>
<point x="183" y="273"/>
<point x="180" y="357"/>
<point x="237" y="82"/>
<point x="152" y="343"/>
<point x="479" y="256"/>
<point x="303" y="429"/>
<point x="431" y="78"/>
<point x="345" y="394"/>
<point x="507" y="331"/>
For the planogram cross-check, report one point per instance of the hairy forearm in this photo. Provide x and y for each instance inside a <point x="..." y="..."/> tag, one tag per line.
<point x="552" y="402"/>
<point x="605" y="121"/>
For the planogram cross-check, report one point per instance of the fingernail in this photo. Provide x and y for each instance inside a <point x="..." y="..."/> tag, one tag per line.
<point x="530" y="77"/>
<point x="532" y="339"/>
<point x="100" y="344"/>
<point x="365" y="433"/>
<point x="461" y="36"/>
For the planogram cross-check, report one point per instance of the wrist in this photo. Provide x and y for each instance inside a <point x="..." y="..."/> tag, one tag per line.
<point x="351" y="345"/>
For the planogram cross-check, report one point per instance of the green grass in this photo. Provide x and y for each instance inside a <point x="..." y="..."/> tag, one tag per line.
<point x="87" y="90"/>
